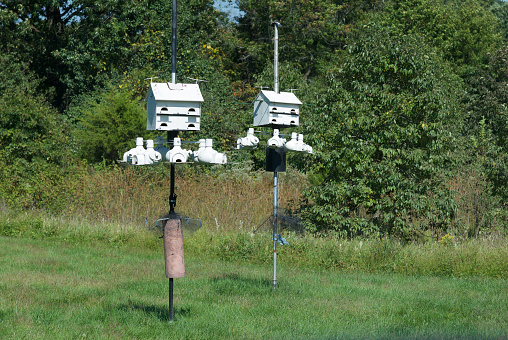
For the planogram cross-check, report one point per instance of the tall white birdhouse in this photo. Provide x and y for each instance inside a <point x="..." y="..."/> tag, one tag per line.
<point x="173" y="107"/>
<point x="276" y="109"/>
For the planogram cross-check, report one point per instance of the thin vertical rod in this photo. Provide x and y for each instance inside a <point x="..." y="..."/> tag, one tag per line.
<point x="171" y="300"/>
<point x="274" y="229"/>
<point x="172" y="204"/>
<point x="173" y="45"/>
<point x="172" y="195"/>
<point x="276" y="89"/>
<point x="276" y="58"/>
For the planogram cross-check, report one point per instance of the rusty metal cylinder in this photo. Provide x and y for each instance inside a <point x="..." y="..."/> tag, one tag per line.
<point x="173" y="248"/>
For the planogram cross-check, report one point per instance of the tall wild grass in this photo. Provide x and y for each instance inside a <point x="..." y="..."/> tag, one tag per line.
<point x="120" y="206"/>
<point x="230" y="199"/>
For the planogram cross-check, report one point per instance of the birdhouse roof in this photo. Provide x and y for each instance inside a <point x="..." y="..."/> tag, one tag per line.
<point x="176" y="92"/>
<point x="282" y="97"/>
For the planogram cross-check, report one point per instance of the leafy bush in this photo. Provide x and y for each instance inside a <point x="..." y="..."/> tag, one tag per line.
<point x="34" y="139"/>
<point x="109" y="125"/>
<point x="384" y="136"/>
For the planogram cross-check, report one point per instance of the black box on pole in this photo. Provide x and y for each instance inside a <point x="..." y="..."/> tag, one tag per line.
<point x="276" y="159"/>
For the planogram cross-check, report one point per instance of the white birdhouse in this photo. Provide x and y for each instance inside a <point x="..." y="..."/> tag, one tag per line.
<point x="174" y="107"/>
<point x="276" y="109"/>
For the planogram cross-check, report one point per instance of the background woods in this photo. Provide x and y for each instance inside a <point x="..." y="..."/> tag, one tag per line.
<point x="405" y="106"/>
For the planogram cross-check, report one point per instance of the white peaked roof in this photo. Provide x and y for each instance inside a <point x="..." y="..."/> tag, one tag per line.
<point x="282" y="97"/>
<point x="176" y="92"/>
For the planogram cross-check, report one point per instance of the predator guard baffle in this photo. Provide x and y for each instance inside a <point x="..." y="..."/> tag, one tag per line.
<point x="173" y="248"/>
<point x="276" y="159"/>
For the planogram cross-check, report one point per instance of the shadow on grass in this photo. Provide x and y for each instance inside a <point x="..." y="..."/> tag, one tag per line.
<point x="236" y="284"/>
<point x="161" y="313"/>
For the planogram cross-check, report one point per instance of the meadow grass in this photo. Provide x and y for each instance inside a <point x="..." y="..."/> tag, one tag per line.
<point x="486" y="257"/>
<point x="56" y="289"/>
<point x="482" y="257"/>
<point x="228" y="199"/>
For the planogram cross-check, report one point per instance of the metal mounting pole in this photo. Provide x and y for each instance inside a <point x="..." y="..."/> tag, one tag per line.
<point x="276" y="89"/>
<point x="276" y="58"/>
<point x="173" y="45"/>
<point x="171" y="300"/>
<point x="172" y="204"/>
<point x="274" y="229"/>
<point x="172" y="196"/>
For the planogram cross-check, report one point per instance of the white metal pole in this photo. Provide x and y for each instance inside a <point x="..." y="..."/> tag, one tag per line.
<point x="276" y="89"/>
<point x="173" y="45"/>
<point x="276" y="58"/>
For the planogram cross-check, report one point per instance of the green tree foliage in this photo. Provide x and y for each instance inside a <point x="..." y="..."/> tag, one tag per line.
<point x="109" y="125"/>
<point x="383" y="136"/>
<point x="222" y="118"/>
<point x="311" y="32"/>
<point x="33" y="138"/>
<point x="500" y="9"/>
<point x="463" y="30"/>
<point x="76" y="45"/>
<point x="34" y="30"/>
<point x="487" y="106"/>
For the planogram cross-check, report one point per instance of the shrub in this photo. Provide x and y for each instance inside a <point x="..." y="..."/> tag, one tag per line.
<point x="383" y="135"/>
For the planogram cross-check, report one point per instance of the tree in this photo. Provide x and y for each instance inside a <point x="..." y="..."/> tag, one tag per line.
<point x="487" y="109"/>
<point x="73" y="46"/>
<point x="110" y="121"/>
<point x="311" y="31"/>
<point x="383" y="134"/>
<point x="463" y="30"/>
<point x="500" y="9"/>
<point x="34" y="138"/>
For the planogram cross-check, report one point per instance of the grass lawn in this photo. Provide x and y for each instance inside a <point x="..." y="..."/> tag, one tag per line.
<point x="57" y="290"/>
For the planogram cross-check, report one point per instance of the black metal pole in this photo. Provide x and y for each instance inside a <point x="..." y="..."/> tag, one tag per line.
<point x="171" y="136"/>
<point x="172" y="195"/>
<point x="171" y="300"/>
<point x="172" y="204"/>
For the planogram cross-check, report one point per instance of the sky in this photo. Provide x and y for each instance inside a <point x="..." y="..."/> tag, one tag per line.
<point x="228" y="6"/>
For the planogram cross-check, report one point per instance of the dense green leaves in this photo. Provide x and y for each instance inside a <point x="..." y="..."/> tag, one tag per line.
<point x="311" y="32"/>
<point x="76" y="45"/>
<point x="487" y="119"/>
<point x="463" y="30"/>
<point x="110" y="124"/>
<point x="398" y="112"/>
<point x="383" y="133"/>
<point x="500" y="9"/>
<point x="33" y="138"/>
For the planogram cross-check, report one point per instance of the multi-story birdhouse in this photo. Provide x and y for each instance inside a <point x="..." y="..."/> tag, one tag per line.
<point x="174" y="107"/>
<point x="276" y="109"/>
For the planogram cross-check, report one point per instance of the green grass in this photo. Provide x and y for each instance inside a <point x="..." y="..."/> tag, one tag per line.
<point x="52" y="289"/>
<point x="479" y="257"/>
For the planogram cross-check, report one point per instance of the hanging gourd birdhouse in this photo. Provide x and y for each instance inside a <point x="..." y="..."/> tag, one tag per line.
<point x="174" y="107"/>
